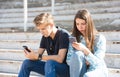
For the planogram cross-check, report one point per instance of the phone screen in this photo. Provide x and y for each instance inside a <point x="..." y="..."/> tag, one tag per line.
<point x="26" y="48"/>
<point x="72" y="39"/>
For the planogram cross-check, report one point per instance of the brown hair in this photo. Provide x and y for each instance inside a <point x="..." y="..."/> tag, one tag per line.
<point x="43" y="18"/>
<point x="90" y="29"/>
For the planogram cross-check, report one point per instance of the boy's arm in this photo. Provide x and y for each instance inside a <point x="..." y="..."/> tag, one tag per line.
<point x="32" y="55"/>
<point x="59" y="58"/>
<point x="41" y="50"/>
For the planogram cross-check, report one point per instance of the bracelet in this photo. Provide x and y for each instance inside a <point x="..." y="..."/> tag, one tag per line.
<point x="39" y="56"/>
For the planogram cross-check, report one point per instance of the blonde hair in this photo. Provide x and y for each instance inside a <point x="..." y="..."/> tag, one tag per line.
<point x="43" y="18"/>
<point x="90" y="29"/>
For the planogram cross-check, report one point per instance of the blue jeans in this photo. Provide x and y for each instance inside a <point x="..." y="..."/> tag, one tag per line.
<point x="77" y="64"/>
<point x="49" y="68"/>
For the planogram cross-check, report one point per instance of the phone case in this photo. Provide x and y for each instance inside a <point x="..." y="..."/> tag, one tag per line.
<point x="26" y="48"/>
<point x="72" y="39"/>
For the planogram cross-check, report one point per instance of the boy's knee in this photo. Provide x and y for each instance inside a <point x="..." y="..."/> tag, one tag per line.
<point x="49" y="67"/>
<point x="27" y="63"/>
<point x="50" y="63"/>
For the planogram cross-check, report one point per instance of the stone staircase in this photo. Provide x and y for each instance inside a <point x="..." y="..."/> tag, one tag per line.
<point x="105" y="13"/>
<point x="11" y="52"/>
<point x="11" y="56"/>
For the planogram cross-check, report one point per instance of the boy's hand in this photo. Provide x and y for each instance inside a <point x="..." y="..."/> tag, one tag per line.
<point x="31" y="55"/>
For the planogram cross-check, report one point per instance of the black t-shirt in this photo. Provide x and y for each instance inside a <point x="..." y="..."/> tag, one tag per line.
<point x="60" y="41"/>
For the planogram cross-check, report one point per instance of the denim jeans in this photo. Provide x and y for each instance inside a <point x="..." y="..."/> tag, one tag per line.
<point x="77" y="64"/>
<point x="49" y="68"/>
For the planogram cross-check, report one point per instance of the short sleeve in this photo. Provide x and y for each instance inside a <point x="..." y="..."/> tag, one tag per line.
<point x="42" y="43"/>
<point x="63" y="40"/>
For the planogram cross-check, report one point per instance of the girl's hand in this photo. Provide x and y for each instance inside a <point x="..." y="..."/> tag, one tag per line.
<point x="87" y="63"/>
<point x="78" y="46"/>
<point x="81" y="47"/>
<point x="31" y="55"/>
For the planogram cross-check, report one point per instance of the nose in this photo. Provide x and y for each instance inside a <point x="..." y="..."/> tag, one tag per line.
<point x="80" y="26"/>
<point x="41" y="31"/>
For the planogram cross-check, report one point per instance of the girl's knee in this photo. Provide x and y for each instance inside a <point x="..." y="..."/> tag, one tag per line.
<point x="77" y="56"/>
<point x="87" y="75"/>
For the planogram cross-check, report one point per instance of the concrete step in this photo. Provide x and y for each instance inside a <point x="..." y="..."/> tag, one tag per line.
<point x="97" y="4"/>
<point x="12" y="54"/>
<point x="112" y="46"/>
<point x="7" y="66"/>
<point x="15" y="25"/>
<point x="34" y="11"/>
<point x="19" y="27"/>
<point x="17" y="44"/>
<point x="109" y="35"/>
<point x="7" y="74"/>
<point x="10" y="66"/>
<point x="114" y="72"/>
<point x="39" y="3"/>
<point x="65" y="13"/>
<point x="10" y="70"/>
<point x="21" y="36"/>
<point x="12" y="75"/>
<point x="64" y="17"/>
<point x="17" y="40"/>
<point x="112" y="60"/>
<point x="64" y="20"/>
<point x="11" y="4"/>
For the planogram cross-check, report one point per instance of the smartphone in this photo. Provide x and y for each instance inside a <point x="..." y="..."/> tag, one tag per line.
<point x="72" y="39"/>
<point x="26" y="48"/>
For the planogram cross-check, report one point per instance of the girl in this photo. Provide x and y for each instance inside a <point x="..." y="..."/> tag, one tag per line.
<point x="86" y="56"/>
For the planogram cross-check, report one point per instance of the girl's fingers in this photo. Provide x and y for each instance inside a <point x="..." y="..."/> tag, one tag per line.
<point x="74" y="43"/>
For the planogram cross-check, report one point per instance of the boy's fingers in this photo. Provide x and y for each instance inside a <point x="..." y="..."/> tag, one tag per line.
<point x="25" y="51"/>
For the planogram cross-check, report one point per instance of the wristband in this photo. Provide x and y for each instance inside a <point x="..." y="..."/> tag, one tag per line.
<point x="39" y="57"/>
